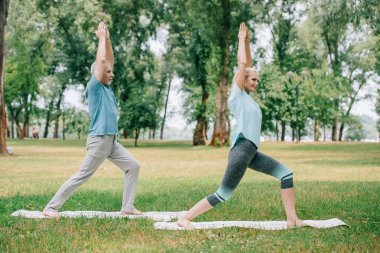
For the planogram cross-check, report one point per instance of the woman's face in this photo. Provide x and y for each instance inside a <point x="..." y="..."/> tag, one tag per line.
<point x="251" y="82"/>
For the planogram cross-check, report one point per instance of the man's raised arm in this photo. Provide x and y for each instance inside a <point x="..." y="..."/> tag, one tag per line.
<point x="109" y="51"/>
<point x="101" y="55"/>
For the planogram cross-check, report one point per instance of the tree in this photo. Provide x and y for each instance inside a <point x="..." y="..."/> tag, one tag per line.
<point x="167" y="71"/>
<point x="309" y="57"/>
<point x="27" y="45"/>
<point x="360" y="63"/>
<point x="141" y="115"/>
<point x="133" y="24"/>
<point x="211" y="24"/>
<point x="378" y="111"/>
<point x="72" y="26"/>
<point x="369" y="10"/>
<point x="333" y="19"/>
<point x="190" y="41"/>
<point x="76" y="122"/>
<point x="281" y="22"/>
<point x="271" y="98"/>
<point x="355" y="130"/>
<point x="3" y="115"/>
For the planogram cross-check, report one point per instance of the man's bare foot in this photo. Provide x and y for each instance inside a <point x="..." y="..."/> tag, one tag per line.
<point x="132" y="212"/>
<point x="295" y="223"/>
<point x="185" y="223"/>
<point x="50" y="213"/>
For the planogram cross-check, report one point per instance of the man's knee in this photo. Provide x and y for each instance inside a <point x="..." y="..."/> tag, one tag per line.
<point x="135" y="167"/>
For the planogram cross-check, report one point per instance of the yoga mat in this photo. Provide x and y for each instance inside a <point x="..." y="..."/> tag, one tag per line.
<point x="265" y="225"/>
<point x="156" y="216"/>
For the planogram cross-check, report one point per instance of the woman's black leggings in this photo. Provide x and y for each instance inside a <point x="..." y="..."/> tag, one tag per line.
<point x="244" y="154"/>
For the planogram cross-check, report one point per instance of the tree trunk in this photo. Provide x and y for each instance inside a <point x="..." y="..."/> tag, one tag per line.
<point x="59" y="112"/>
<point x="277" y="132"/>
<point x="20" y="131"/>
<point x="137" y="132"/>
<point x="283" y="129"/>
<point x="63" y="124"/>
<point x="341" y="131"/>
<point x="26" y="130"/>
<point x="3" y="115"/>
<point x="334" y="129"/>
<point x="220" y="134"/>
<point x="207" y="124"/>
<point x="298" y="135"/>
<point x="316" y="130"/>
<point x="56" y="128"/>
<point x="165" y="109"/>
<point x="324" y="132"/>
<point x="199" y="137"/>
<point x="125" y="133"/>
<point x="12" y="127"/>
<point x="293" y="133"/>
<point x="48" y="116"/>
<point x="353" y="99"/>
<point x="26" y="118"/>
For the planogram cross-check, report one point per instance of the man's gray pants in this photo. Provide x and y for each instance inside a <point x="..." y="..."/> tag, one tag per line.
<point x="99" y="148"/>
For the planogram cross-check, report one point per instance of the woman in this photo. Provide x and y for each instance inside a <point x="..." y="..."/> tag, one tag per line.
<point x="244" y="152"/>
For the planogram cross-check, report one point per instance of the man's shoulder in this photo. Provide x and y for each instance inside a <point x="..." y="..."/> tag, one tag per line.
<point x="93" y="81"/>
<point x="93" y="84"/>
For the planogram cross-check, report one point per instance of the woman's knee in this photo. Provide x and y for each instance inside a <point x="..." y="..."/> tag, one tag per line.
<point x="284" y="174"/>
<point x="287" y="180"/>
<point x="221" y="195"/>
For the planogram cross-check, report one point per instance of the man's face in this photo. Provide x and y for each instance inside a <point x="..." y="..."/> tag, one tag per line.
<point x="107" y="74"/>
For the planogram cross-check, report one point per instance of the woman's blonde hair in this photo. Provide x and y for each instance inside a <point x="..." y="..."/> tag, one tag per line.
<point x="248" y="71"/>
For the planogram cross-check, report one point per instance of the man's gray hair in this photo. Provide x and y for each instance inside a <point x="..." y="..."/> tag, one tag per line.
<point x="93" y="68"/>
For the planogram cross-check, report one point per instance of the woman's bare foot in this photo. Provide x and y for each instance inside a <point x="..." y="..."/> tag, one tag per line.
<point x="185" y="223"/>
<point x="132" y="212"/>
<point x="293" y="223"/>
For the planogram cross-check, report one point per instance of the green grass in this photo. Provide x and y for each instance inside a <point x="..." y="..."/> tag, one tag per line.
<point x="332" y="180"/>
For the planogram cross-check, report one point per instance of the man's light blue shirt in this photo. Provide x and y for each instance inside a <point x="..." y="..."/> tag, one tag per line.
<point x="247" y="113"/>
<point x="102" y="107"/>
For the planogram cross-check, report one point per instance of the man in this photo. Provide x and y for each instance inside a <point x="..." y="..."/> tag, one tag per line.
<point x="102" y="139"/>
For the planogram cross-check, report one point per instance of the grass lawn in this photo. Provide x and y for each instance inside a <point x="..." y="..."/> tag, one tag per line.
<point x="332" y="180"/>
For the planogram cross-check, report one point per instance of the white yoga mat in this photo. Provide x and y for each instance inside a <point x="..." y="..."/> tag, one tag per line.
<point x="156" y="216"/>
<point x="265" y="225"/>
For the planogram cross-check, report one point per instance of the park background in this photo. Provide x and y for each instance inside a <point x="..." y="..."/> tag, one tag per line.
<point x="319" y="65"/>
<point x="318" y="62"/>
